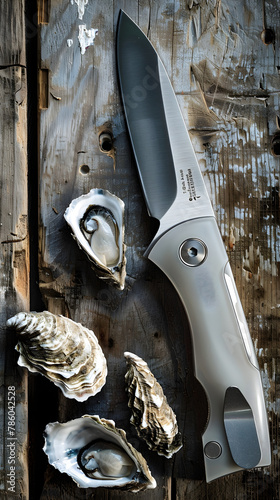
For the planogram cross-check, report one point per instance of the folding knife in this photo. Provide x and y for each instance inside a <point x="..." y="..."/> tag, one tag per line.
<point x="189" y="249"/>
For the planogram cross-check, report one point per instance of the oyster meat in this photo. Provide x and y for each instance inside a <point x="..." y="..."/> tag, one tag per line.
<point x="65" y="352"/>
<point x="97" y="223"/>
<point x="95" y="453"/>
<point x="154" y="420"/>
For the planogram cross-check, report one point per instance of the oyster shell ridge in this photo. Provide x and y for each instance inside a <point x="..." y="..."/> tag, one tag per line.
<point x="153" y="418"/>
<point x="65" y="352"/>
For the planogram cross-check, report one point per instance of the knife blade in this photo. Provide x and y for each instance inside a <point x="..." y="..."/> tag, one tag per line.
<point x="189" y="249"/>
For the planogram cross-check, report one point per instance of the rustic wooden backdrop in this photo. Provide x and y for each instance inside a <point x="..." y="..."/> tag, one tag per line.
<point x="223" y="60"/>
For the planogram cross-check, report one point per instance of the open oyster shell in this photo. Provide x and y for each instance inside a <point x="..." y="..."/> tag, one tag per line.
<point x="95" y="453"/>
<point x="97" y="223"/>
<point x="154" y="420"/>
<point x="65" y="352"/>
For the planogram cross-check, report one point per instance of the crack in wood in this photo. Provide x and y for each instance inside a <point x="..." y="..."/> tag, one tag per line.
<point x="6" y="66"/>
<point x="15" y="240"/>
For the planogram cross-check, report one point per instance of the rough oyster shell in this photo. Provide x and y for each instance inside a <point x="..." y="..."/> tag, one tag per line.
<point x="153" y="418"/>
<point x="65" y="352"/>
<point x="97" y="223"/>
<point x="95" y="453"/>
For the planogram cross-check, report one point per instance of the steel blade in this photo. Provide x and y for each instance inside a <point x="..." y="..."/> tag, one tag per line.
<point x="173" y="186"/>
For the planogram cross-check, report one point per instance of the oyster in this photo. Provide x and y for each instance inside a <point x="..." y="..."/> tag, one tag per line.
<point x="97" y="223"/>
<point x="153" y="418"/>
<point x="65" y="352"/>
<point x="95" y="453"/>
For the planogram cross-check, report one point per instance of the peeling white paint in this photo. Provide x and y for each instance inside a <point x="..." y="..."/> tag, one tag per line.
<point x="273" y="406"/>
<point x="266" y="387"/>
<point x="81" y="7"/>
<point x="241" y="213"/>
<point x="69" y="42"/>
<point x="86" y="37"/>
<point x="255" y="134"/>
<point x="273" y="242"/>
<point x="268" y="266"/>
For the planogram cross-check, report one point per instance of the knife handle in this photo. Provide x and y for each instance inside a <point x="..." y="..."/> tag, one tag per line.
<point x="193" y="257"/>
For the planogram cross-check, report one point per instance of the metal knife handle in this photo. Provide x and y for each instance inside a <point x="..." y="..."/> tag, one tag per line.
<point x="193" y="257"/>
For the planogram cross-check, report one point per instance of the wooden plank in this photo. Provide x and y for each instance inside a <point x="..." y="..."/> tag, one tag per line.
<point x="14" y="247"/>
<point x="83" y="101"/>
<point x="229" y="102"/>
<point x="12" y="36"/>
<point x="215" y="56"/>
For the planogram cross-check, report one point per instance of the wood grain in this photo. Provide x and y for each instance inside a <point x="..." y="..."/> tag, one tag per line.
<point x="227" y="83"/>
<point x="14" y="248"/>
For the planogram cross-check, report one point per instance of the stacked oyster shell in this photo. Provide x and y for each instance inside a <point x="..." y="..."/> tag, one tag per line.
<point x="65" y="352"/>
<point x="95" y="453"/>
<point x="97" y="223"/>
<point x="152" y="416"/>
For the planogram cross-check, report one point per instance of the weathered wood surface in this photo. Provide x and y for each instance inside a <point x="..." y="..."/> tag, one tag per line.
<point x="227" y="84"/>
<point x="14" y="247"/>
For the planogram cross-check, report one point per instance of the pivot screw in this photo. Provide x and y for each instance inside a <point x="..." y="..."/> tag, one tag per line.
<point x="193" y="252"/>
<point x="213" y="450"/>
